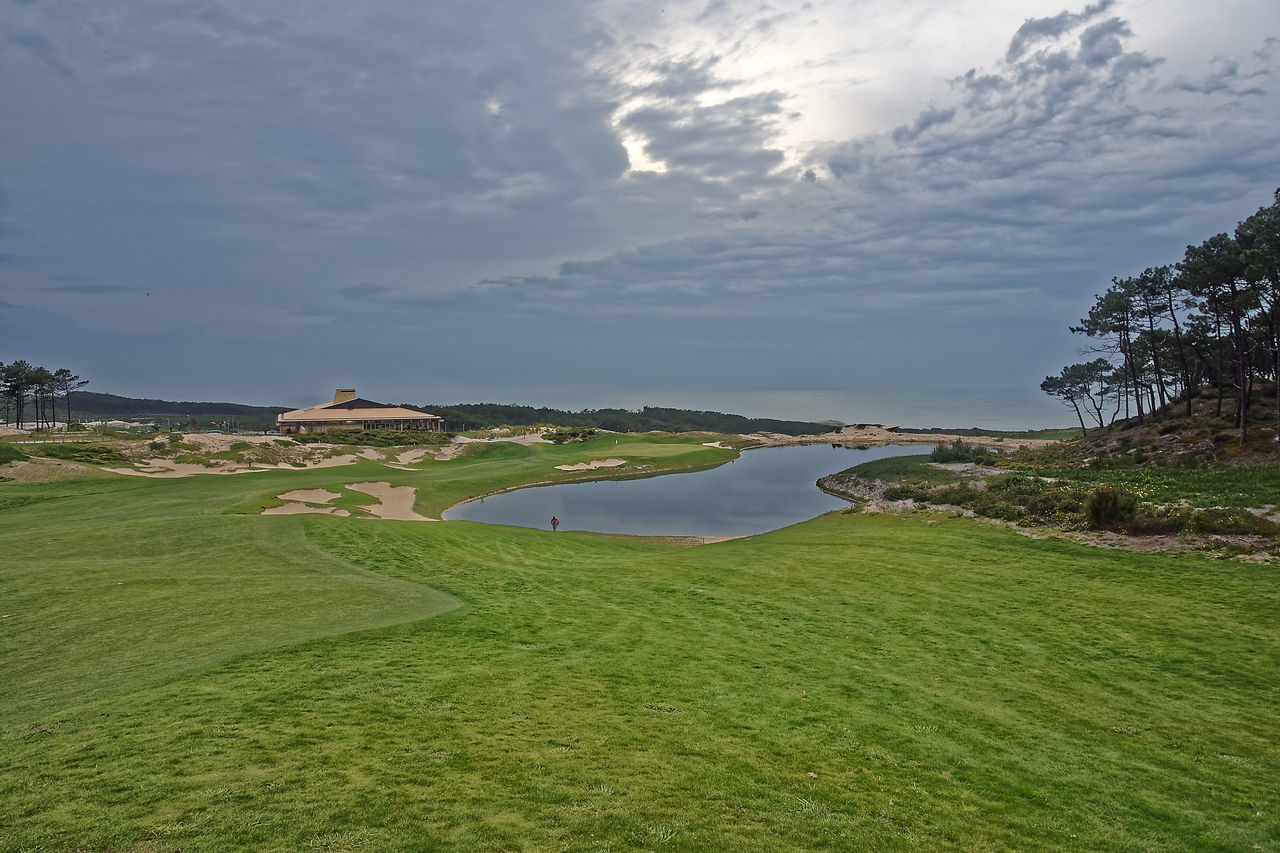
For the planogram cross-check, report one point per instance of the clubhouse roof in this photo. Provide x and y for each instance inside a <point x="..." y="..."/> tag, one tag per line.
<point x="347" y="411"/>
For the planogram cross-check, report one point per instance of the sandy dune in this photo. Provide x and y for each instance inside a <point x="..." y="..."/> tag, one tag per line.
<point x="878" y="436"/>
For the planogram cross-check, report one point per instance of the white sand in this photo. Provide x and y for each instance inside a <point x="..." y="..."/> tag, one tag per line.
<point x="295" y="505"/>
<point x="292" y="508"/>
<point x="411" y="456"/>
<point x="593" y="465"/>
<point x="311" y="496"/>
<point x="167" y="468"/>
<point x="394" y="502"/>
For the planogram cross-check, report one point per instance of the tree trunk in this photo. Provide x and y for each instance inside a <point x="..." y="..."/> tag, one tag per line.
<point x="1155" y="353"/>
<point x="1182" y="353"/>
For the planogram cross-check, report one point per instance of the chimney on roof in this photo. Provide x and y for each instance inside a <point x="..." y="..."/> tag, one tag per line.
<point x="342" y="395"/>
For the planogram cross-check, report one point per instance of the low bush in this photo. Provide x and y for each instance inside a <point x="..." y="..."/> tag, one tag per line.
<point x="568" y="434"/>
<point x="1106" y="505"/>
<point x="77" y="451"/>
<point x="374" y="437"/>
<point x="961" y="452"/>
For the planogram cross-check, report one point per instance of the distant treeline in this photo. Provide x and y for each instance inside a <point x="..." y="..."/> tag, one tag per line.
<point x="458" y="417"/>
<point x="462" y="416"/>
<point x="96" y="406"/>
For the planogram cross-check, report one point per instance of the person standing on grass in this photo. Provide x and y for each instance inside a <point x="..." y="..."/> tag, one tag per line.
<point x="555" y="522"/>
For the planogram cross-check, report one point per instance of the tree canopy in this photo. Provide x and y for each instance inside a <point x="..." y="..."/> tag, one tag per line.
<point x="1211" y="318"/>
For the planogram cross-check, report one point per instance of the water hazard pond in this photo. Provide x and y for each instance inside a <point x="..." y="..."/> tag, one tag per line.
<point x="762" y="490"/>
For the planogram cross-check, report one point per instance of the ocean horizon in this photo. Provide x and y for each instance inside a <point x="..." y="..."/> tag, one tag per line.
<point x="1002" y="409"/>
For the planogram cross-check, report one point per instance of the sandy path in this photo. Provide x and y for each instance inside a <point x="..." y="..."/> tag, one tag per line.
<point x="394" y="502"/>
<point x="593" y="465"/>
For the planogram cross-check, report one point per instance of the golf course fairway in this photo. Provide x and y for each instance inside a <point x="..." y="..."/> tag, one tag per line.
<point x="180" y="672"/>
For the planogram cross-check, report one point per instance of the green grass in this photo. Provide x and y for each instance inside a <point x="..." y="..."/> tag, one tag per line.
<point x="92" y="454"/>
<point x="9" y="453"/>
<point x="178" y="677"/>
<point x="1247" y="486"/>
<point x="914" y="470"/>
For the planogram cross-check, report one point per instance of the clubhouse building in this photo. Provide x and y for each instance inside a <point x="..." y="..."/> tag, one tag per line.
<point x="347" y="411"/>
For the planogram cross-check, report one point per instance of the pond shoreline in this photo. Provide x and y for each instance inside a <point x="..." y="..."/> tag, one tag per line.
<point x="764" y="492"/>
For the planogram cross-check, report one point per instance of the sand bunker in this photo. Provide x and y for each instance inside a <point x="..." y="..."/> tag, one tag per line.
<point x="593" y="465"/>
<point x="311" y="496"/>
<point x="292" y="508"/>
<point x="394" y="502"/>
<point x="718" y="444"/>
<point x="411" y="456"/>
<point x="162" y="468"/>
<point x="295" y="505"/>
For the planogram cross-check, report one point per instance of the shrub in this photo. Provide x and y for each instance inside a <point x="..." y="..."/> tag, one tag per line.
<point x="905" y="493"/>
<point x="564" y="435"/>
<point x="90" y="454"/>
<point x="374" y="437"/>
<point x="961" y="452"/>
<point x="1107" y="505"/>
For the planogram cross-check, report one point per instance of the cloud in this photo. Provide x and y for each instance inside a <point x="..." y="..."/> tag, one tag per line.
<point x="927" y="119"/>
<point x="707" y="175"/>
<point x="1248" y="78"/>
<point x="983" y="202"/>
<point x="1036" y="30"/>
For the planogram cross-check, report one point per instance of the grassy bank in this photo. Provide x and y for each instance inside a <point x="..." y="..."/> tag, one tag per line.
<point x="178" y="676"/>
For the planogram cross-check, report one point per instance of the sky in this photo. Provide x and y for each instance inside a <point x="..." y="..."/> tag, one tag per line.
<point x="867" y="210"/>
